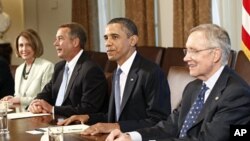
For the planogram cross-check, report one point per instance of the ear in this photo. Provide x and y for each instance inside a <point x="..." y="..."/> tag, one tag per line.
<point x="133" y="40"/>
<point x="76" y="42"/>
<point x="217" y="55"/>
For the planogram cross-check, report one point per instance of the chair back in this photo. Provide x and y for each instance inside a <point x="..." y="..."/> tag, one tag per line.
<point x="178" y="77"/>
<point x="242" y="66"/>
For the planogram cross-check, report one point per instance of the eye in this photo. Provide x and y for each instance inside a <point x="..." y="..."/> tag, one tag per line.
<point x="105" y="38"/>
<point x="20" y="45"/>
<point x="115" y="37"/>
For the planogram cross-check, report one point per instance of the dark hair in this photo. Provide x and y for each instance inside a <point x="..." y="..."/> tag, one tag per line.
<point x="34" y="40"/>
<point x="127" y="23"/>
<point x="76" y="31"/>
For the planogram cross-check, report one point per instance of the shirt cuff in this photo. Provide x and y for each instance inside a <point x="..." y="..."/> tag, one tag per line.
<point x="135" y="136"/>
<point x="53" y="110"/>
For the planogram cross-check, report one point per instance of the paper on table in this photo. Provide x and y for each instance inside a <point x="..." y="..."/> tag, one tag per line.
<point x="10" y="110"/>
<point x="66" y="129"/>
<point x="74" y="128"/>
<point x="24" y="115"/>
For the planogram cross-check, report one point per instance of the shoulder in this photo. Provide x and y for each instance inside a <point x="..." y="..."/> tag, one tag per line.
<point x="43" y="61"/>
<point x="145" y="65"/>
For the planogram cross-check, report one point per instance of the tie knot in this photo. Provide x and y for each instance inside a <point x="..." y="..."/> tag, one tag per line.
<point x="66" y="68"/>
<point x="204" y="87"/>
<point x="119" y="71"/>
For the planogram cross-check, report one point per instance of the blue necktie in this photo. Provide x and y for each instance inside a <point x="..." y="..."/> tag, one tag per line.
<point x="63" y="87"/>
<point x="194" y="111"/>
<point x="117" y="93"/>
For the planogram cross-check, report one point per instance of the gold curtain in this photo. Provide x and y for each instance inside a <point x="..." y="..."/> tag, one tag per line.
<point x="85" y="12"/>
<point x="188" y="14"/>
<point x="142" y="13"/>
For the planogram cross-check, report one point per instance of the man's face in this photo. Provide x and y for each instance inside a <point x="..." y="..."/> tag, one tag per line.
<point x="63" y="43"/>
<point x="201" y="59"/>
<point x="119" y="46"/>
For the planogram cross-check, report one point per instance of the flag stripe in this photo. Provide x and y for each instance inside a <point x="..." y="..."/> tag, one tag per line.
<point x="246" y="20"/>
<point x="246" y="4"/>
<point x="245" y="38"/>
<point x="245" y="50"/>
<point x="245" y="28"/>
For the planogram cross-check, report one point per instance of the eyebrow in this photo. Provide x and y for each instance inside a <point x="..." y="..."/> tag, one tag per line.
<point x="112" y="34"/>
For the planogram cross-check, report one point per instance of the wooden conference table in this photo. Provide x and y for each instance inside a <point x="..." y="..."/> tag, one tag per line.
<point x="18" y="128"/>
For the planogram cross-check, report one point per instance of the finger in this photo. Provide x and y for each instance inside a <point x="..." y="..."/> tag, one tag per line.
<point x="112" y="135"/>
<point x="88" y="131"/>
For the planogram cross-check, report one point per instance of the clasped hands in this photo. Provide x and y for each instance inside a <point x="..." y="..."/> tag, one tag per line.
<point x="40" y="106"/>
<point x="92" y="130"/>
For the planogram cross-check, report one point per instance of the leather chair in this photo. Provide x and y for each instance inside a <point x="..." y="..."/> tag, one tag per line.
<point x="242" y="66"/>
<point x="178" y="77"/>
<point x="153" y="54"/>
<point x="172" y="57"/>
<point x="100" y="58"/>
<point x="231" y="59"/>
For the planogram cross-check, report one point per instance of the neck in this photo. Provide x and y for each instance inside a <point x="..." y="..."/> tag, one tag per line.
<point x="29" y="61"/>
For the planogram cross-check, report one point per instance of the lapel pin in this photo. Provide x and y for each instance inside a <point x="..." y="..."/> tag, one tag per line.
<point x="131" y="79"/>
<point x="216" y="98"/>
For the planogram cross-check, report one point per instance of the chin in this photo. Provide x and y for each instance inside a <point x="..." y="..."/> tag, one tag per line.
<point x="192" y="73"/>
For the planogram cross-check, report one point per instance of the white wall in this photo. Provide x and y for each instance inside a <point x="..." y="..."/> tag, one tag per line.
<point x="165" y="23"/>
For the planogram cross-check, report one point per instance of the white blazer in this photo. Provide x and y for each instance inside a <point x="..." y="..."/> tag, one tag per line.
<point x="40" y="74"/>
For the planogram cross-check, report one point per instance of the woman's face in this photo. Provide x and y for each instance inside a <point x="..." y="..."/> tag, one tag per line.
<point x="24" y="49"/>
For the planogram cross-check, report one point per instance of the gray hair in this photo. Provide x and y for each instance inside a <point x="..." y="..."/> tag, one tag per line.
<point x="216" y="37"/>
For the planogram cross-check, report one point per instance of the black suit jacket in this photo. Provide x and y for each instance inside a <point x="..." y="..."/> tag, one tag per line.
<point x="146" y="98"/>
<point x="228" y="103"/>
<point x="86" y="91"/>
<point x="6" y="79"/>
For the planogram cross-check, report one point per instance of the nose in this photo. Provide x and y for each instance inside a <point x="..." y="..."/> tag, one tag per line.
<point x="55" y="43"/>
<point x="187" y="57"/>
<point x="108" y="43"/>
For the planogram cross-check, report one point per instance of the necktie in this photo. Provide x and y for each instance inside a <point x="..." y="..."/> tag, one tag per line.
<point x="117" y="93"/>
<point x="63" y="87"/>
<point x="194" y="111"/>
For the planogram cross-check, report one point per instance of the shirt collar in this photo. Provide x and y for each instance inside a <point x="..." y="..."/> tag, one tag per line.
<point x="125" y="67"/>
<point x="212" y="80"/>
<point x="71" y="64"/>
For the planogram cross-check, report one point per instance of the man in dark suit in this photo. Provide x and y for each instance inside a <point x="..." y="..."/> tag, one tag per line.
<point x="6" y="79"/>
<point x="144" y="92"/>
<point x="86" y="87"/>
<point x="225" y="101"/>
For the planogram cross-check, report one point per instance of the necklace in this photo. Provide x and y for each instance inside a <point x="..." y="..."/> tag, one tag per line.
<point x="26" y="73"/>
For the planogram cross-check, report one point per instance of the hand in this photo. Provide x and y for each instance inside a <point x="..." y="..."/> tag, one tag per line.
<point x="117" y="135"/>
<point x="6" y="98"/>
<point x="101" y="128"/>
<point x="47" y="108"/>
<point x="74" y="118"/>
<point x="35" y="107"/>
<point x="14" y="100"/>
<point x="39" y="106"/>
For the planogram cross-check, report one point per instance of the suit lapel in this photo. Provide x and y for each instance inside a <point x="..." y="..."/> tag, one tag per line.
<point x="74" y="74"/>
<point x="214" y="96"/>
<point x="131" y="81"/>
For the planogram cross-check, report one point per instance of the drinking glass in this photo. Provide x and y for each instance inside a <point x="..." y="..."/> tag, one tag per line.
<point x="55" y="133"/>
<point x="3" y="117"/>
